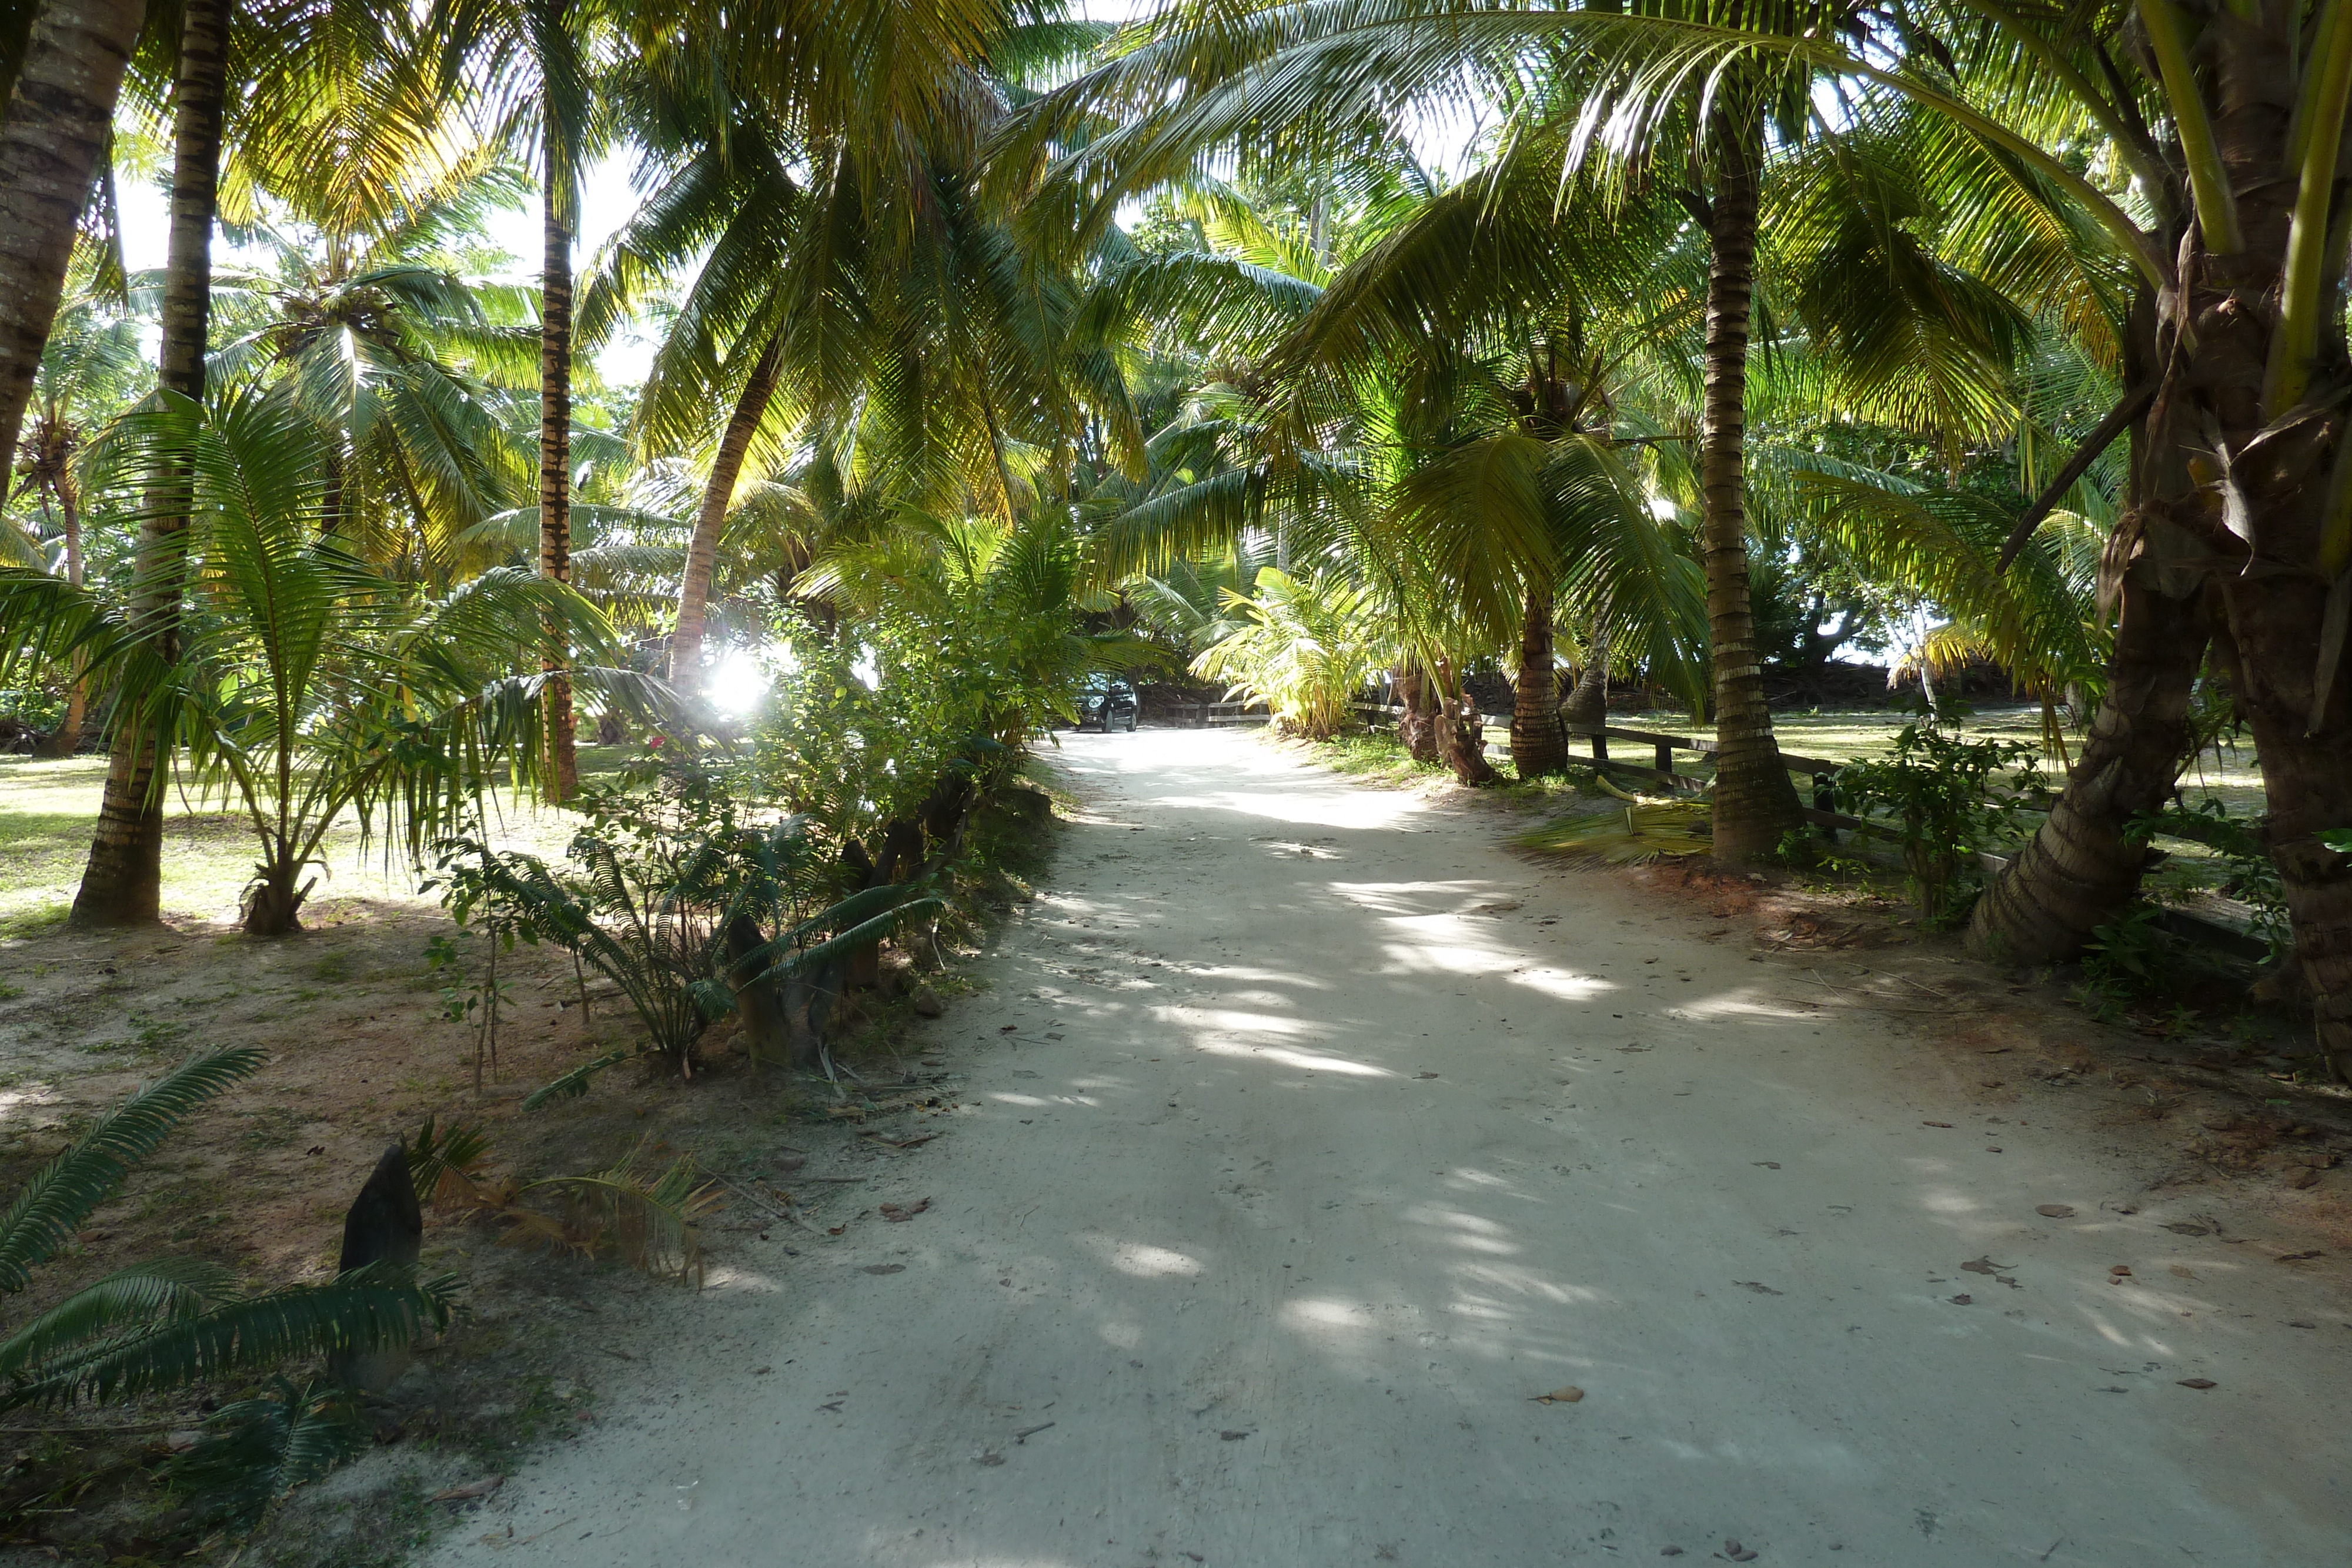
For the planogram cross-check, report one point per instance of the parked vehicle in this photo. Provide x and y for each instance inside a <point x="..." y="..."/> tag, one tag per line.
<point x="1107" y="704"/>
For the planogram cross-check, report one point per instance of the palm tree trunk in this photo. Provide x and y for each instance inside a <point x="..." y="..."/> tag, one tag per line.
<point x="2307" y="786"/>
<point x="1588" y="701"/>
<point x="702" y="550"/>
<point x="2079" y="869"/>
<point x="1755" y="803"/>
<point x="68" y="739"/>
<point x="1461" y="732"/>
<point x="60" y="109"/>
<point x="1538" y="745"/>
<point x="1417" y="727"/>
<point x="555" y="454"/>
<point x="122" y="884"/>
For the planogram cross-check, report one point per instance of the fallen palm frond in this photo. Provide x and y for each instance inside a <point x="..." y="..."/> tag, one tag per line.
<point x="1638" y="834"/>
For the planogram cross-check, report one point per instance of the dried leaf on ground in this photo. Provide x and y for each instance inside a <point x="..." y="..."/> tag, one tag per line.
<point x="1568" y="1395"/>
<point x="2199" y="1382"/>
<point x="2055" y="1210"/>
<point x="897" y="1216"/>
<point x="470" y="1491"/>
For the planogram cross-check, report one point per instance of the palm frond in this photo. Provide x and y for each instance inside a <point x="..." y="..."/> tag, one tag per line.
<point x="1633" y="836"/>
<point x="373" y="1308"/>
<point x="51" y="1207"/>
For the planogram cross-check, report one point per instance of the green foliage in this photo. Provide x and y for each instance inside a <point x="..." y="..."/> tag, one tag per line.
<point x="301" y="685"/>
<point x="2127" y="958"/>
<point x="52" y="1205"/>
<point x="671" y="859"/>
<point x="2253" y="877"/>
<point x="257" y="1450"/>
<point x="1951" y="799"/>
<point x="164" y="1323"/>
<point x="440" y="1157"/>
<point x="1305" y="648"/>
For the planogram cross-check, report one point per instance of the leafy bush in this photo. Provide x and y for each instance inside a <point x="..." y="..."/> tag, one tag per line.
<point x="163" y="1323"/>
<point x="1306" y="647"/>
<point x="2253" y="878"/>
<point x="692" y="910"/>
<point x="1951" y="799"/>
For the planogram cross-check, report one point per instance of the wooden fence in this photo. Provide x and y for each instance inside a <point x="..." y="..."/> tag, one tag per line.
<point x="2196" y="928"/>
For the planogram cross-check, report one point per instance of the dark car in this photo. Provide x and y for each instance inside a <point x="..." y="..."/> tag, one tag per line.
<point x="1107" y="704"/>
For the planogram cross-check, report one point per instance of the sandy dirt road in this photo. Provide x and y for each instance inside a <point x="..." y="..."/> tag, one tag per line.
<point x="1327" y="1133"/>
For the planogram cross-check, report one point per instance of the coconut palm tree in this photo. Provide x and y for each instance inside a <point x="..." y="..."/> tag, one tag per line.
<point x="61" y="93"/>
<point x="283" y="51"/>
<point x="91" y="366"/>
<point x="122" y="884"/>
<point x="410" y="366"/>
<point x="298" y="684"/>
<point x="2239" y="526"/>
<point x="832" y="231"/>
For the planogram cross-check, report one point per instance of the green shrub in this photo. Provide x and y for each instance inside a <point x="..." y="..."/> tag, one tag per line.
<point x="1952" y="799"/>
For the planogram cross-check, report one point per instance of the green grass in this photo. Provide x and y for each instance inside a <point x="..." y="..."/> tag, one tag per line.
<point x="48" y="808"/>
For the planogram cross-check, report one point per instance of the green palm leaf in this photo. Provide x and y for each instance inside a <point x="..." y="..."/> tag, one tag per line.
<point x="52" y="1205"/>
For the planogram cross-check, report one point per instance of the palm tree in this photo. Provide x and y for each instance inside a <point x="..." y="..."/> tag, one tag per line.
<point x="300" y="685"/>
<point x="410" y="366"/>
<point x="820" y="193"/>
<point x="60" y="108"/>
<point x="2242" y="474"/>
<point x="90" y="364"/>
<point x="122" y="881"/>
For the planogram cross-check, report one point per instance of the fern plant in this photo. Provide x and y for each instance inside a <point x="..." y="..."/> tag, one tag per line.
<point x="163" y="1323"/>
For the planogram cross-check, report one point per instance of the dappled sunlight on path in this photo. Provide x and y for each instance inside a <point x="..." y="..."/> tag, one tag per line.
<point x="1314" y="1138"/>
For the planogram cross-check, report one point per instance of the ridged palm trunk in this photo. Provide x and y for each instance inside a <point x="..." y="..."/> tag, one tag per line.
<point x="1417" y="727"/>
<point x="555" y="460"/>
<point x="2248" y="476"/>
<point x="1461" y="731"/>
<point x="53" y="442"/>
<point x="59" y="110"/>
<point x="1538" y="745"/>
<point x="2079" y="869"/>
<point x="122" y="884"/>
<point x="1755" y="803"/>
<point x="702" y="550"/>
<point x="1587" y="700"/>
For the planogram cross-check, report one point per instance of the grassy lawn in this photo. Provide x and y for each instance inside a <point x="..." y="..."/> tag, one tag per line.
<point x="48" y="808"/>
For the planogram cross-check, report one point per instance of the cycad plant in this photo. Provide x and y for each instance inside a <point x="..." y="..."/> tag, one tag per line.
<point x="298" y="684"/>
<point x="692" y="912"/>
<point x="165" y="1323"/>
